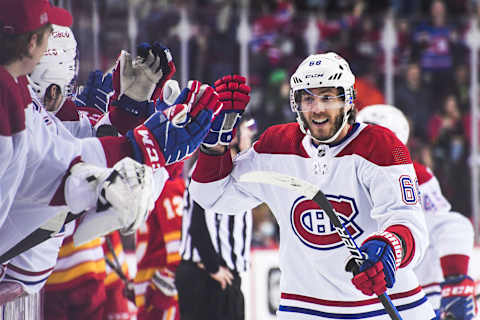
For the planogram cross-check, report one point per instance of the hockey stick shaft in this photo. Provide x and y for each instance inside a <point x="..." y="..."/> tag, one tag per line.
<point x="350" y="243"/>
<point x="313" y="192"/>
<point x="33" y="239"/>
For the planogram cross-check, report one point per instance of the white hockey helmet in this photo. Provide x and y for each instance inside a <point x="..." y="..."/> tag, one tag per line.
<point x="322" y="70"/>
<point x="386" y="116"/>
<point x="59" y="65"/>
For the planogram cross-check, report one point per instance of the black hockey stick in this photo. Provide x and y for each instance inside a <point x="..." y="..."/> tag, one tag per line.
<point x="35" y="238"/>
<point x="129" y="290"/>
<point x="314" y="193"/>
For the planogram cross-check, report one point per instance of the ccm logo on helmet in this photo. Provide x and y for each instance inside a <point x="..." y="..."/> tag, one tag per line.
<point x="317" y="75"/>
<point x="315" y="63"/>
<point x="312" y="226"/>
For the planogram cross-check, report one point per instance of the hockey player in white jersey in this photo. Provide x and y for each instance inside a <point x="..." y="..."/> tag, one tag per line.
<point x="443" y="272"/>
<point x="42" y="169"/>
<point x="368" y="177"/>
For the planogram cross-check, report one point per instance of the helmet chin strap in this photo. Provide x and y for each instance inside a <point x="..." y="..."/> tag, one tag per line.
<point x="329" y="140"/>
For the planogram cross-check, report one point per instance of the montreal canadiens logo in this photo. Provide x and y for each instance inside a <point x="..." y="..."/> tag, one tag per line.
<point x="312" y="225"/>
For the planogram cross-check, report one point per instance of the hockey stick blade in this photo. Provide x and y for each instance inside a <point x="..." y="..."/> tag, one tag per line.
<point x="312" y="192"/>
<point x="33" y="239"/>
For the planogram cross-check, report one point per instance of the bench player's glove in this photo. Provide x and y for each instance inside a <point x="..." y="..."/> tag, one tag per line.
<point x="383" y="255"/>
<point x="164" y="280"/>
<point x="161" y="293"/>
<point x="458" y="298"/>
<point x="234" y="94"/>
<point x="116" y="198"/>
<point x="174" y="134"/>
<point x="97" y="92"/>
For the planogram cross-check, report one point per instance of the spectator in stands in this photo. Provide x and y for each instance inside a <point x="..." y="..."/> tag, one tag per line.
<point x="461" y="87"/>
<point x="366" y="87"/>
<point x="435" y="42"/>
<point x="413" y="98"/>
<point x="450" y="150"/>
<point x="273" y="109"/>
<point x="265" y="232"/>
<point x="365" y="45"/>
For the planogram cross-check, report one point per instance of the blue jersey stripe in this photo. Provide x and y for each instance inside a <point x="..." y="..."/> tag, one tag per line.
<point x="362" y="315"/>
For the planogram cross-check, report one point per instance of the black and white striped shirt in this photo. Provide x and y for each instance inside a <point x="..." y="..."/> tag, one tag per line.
<point x="215" y="239"/>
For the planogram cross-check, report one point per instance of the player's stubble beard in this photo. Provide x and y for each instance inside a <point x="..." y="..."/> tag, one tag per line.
<point x="336" y="125"/>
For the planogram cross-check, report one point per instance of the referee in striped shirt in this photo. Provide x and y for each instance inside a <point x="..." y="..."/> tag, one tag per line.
<point x="215" y="250"/>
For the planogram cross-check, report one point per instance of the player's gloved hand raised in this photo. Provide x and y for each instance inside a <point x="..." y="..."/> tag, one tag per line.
<point x="174" y="134"/>
<point x="234" y="94"/>
<point x="458" y="298"/>
<point x="97" y="91"/>
<point x="159" y="68"/>
<point x="383" y="255"/>
<point x="166" y="64"/>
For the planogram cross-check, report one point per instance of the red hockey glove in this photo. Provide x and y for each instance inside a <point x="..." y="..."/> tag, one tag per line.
<point x="234" y="94"/>
<point x="383" y="252"/>
<point x="174" y="134"/>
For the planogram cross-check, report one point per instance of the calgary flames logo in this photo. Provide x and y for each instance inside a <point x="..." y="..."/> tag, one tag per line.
<point x="312" y="225"/>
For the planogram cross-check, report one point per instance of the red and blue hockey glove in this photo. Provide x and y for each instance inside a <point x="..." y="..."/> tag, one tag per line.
<point x="383" y="252"/>
<point x="234" y="94"/>
<point x="97" y="92"/>
<point x="458" y="298"/>
<point x="174" y="134"/>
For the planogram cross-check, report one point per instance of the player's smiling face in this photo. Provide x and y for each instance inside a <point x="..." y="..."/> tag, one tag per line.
<point x="323" y="111"/>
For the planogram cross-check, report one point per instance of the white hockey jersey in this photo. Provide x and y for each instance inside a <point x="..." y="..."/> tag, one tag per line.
<point x="32" y="268"/>
<point x="370" y="181"/>
<point x="451" y="237"/>
<point x="40" y="160"/>
<point x="50" y="151"/>
<point x="13" y="137"/>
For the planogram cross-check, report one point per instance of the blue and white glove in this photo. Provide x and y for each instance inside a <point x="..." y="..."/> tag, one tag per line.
<point x="97" y="92"/>
<point x="137" y="108"/>
<point x="234" y="94"/>
<point x="383" y="255"/>
<point x="145" y="109"/>
<point x="458" y="298"/>
<point x="174" y="134"/>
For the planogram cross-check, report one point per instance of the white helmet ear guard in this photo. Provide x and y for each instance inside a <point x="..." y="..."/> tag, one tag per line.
<point x="59" y="65"/>
<point x="386" y="116"/>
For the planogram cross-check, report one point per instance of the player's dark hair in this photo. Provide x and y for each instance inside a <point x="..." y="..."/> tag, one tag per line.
<point x="15" y="46"/>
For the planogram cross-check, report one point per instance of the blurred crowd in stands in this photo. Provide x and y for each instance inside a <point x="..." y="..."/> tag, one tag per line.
<point x="432" y="71"/>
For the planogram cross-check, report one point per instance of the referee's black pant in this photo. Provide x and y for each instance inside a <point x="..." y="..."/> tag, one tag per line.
<point x="201" y="298"/>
